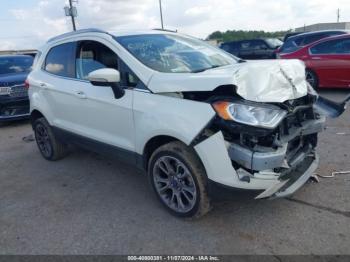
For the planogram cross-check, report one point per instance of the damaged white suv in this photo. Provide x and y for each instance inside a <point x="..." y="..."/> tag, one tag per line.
<point x="188" y="113"/>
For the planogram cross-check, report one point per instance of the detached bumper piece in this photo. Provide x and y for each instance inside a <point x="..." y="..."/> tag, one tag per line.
<point x="294" y="180"/>
<point x="13" y="109"/>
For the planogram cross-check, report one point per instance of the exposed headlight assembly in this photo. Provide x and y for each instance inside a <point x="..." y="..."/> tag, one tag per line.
<point x="248" y="114"/>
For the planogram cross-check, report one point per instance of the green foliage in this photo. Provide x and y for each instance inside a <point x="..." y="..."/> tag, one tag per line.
<point x="235" y="35"/>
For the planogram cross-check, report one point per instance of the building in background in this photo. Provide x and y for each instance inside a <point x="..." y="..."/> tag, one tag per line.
<point x="324" y="26"/>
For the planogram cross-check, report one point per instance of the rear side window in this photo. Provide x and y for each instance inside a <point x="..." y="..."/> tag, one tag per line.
<point x="338" y="46"/>
<point x="258" y="44"/>
<point x="60" y="60"/>
<point x="230" y="47"/>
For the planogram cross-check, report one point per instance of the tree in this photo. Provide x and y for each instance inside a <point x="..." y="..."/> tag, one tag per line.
<point x="235" y="35"/>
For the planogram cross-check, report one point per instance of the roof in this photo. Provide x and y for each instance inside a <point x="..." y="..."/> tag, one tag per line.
<point x="112" y="33"/>
<point x="317" y="32"/>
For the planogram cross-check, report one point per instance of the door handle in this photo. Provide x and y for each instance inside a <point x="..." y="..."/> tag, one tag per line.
<point x="80" y="94"/>
<point x="316" y="58"/>
<point x="43" y="85"/>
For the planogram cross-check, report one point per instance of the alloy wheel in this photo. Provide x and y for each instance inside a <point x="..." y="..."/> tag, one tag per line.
<point x="43" y="140"/>
<point x="174" y="184"/>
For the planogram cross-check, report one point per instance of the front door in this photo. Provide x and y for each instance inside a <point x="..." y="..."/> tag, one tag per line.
<point x="100" y="116"/>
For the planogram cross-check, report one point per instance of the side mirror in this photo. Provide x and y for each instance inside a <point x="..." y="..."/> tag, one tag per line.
<point x="107" y="77"/>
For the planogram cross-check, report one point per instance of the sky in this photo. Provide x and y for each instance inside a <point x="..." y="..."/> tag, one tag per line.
<point x="29" y="23"/>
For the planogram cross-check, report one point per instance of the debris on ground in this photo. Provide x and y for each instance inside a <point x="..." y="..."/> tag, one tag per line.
<point x="29" y="138"/>
<point x="315" y="177"/>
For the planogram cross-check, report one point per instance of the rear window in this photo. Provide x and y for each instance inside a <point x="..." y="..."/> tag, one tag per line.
<point x="292" y="44"/>
<point x="61" y="60"/>
<point x="15" y="64"/>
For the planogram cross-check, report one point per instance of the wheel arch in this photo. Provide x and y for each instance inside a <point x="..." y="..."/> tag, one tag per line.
<point x="34" y="115"/>
<point x="152" y="145"/>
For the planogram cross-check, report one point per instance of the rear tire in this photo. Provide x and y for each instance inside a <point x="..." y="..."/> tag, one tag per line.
<point x="312" y="78"/>
<point x="179" y="180"/>
<point x="49" y="146"/>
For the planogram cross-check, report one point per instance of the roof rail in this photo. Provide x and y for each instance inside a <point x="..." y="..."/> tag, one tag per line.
<point x="81" y="31"/>
<point x="165" y="30"/>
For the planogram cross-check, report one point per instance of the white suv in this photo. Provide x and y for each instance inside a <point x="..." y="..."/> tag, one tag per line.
<point x="189" y="113"/>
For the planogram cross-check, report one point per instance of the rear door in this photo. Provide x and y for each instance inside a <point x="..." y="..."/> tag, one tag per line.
<point x="331" y="62"/>
<point x="54" y="80"/>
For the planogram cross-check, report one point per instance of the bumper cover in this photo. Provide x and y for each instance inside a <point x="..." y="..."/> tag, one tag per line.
<point x="275" y="158"/>
<point x="14" y="108"/>
<point x="294" y="181"/>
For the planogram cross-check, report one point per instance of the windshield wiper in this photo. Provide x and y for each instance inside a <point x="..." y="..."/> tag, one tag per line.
<point x="205" y="69"/>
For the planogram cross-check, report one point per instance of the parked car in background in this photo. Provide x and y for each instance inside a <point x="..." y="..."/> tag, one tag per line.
<point x="253" y="49"/>
<point x="14" y="102"/>
<point x="327" y="61"/>
<point x="293" y="43"/>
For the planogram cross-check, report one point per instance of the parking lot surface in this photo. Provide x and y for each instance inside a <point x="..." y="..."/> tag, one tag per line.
<point x="89" y="204"/>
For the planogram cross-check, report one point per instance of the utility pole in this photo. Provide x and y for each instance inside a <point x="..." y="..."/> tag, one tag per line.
<point x="72" y="15"/>
<point x="338" y="15"/>
<point x="72" y="12"/>
<point x="161" y="13"/>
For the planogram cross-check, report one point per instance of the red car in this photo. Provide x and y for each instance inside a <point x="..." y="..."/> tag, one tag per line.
<point x="327" y="61"/>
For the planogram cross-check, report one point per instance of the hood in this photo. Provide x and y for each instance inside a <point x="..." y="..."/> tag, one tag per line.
<point x="259" y="81"/>
<point x="12" y="79"/>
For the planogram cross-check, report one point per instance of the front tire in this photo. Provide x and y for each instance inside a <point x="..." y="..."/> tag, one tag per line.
<point x="312" y="78"/>
<point x="179" y="180"/>
<point x="49" y="146"/>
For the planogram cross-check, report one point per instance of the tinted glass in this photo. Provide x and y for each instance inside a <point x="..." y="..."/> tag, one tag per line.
<point x="338" y="46"/>
<point x="15" y="64"/>
<point x="230" y="47"/>
<point x="60" y="60"/>
<point x="292" y="44"/>
<point x="174" y="54"/>
<point x="93" y="55"/>
<point x="246" y="45"/>
<point x="258" y="44"/>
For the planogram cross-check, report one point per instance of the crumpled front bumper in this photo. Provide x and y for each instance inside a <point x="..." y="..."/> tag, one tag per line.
<point x="288" y="186"/>
<point x="258" y="171"/>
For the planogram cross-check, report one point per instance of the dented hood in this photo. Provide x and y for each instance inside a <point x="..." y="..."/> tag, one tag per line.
<point x="260" y="81"/>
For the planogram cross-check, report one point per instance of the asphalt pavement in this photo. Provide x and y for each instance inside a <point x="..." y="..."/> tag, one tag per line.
<point x="89" y="204"/>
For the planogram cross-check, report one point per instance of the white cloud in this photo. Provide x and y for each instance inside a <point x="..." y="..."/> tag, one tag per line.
<point x="196" y="17"/>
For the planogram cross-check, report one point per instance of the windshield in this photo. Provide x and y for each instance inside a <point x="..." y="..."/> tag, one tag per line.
<point x="15" y="64"/>
<point x="274" y="42"/>
<point x="174" y="54"/>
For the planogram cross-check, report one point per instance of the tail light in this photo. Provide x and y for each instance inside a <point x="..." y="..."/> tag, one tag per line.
<point x="26" y="84"/>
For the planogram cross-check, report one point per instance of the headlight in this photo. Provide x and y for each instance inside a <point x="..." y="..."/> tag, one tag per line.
<point x="266" y="117"/>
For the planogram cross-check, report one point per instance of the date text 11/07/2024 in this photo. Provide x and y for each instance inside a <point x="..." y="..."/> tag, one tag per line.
<point x="173" y="258"/>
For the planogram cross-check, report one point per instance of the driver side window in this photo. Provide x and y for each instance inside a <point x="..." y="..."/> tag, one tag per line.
<point x="92" y="55"/>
